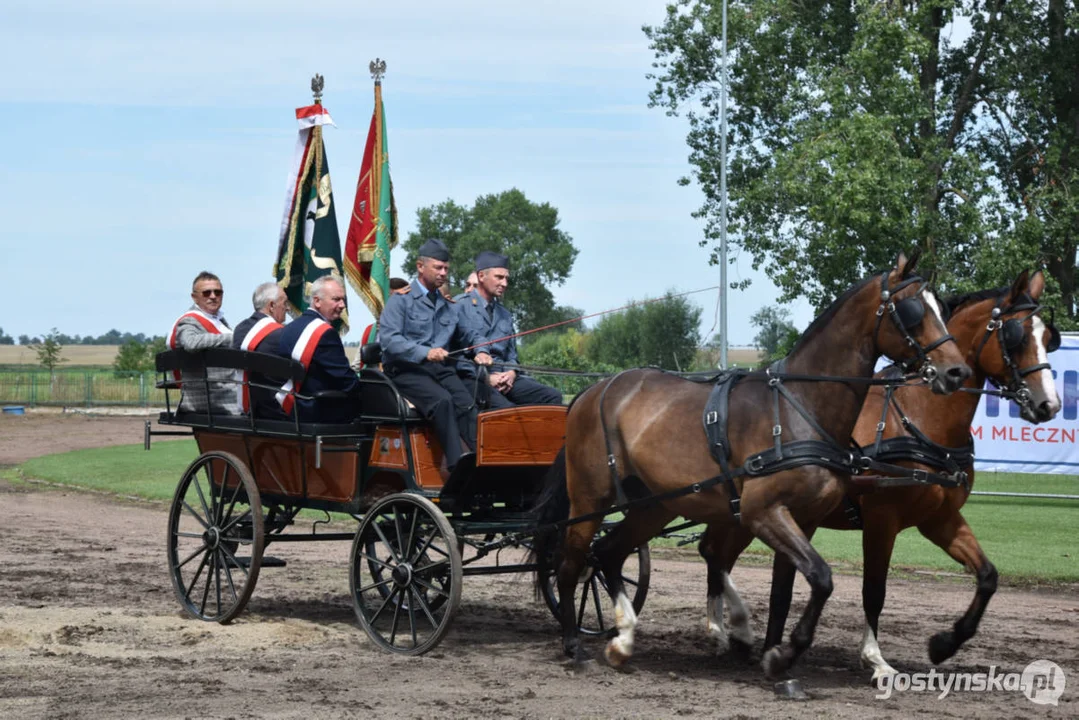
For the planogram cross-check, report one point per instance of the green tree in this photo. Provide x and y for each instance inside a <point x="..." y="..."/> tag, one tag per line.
<point x="566" y="350"/>
<point x="6" y="339"/>
<point x="856" y="127"/>
<point x="48" y="352"/>
<point x="138" y="356"/>
<point x="662" y="333"/>
<point x="776" y="335"/>
<point x="541" y="254"/>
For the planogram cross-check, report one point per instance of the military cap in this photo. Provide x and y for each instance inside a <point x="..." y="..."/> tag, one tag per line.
<point x="487" y="260"/>
<point x="435" y="250"/>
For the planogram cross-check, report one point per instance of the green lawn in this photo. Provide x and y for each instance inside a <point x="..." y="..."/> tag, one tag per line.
<point x="1029" y="540"/>
<point x="123" y="470"/>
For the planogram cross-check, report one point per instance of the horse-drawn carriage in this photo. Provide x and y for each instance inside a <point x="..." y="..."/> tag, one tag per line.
<point x="258" y="482"/>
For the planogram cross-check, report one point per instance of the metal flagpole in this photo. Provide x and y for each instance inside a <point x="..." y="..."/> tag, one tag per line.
<point x="723" y="202"/>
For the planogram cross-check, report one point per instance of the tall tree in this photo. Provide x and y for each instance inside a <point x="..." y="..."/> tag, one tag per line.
<point x="859" y="127"/>
<point x="540" y="253"/>
<point x="776" y="334"/>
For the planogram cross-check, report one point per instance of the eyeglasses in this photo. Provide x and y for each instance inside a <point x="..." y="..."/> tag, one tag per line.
<point x="213" y="292"/>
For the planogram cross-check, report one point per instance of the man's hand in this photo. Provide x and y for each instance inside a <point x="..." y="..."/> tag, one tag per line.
<point x="507" y="380"/>
<point x="495" y="380"/>
<point x="437" y="354"/>
<point x="481" y="358"/>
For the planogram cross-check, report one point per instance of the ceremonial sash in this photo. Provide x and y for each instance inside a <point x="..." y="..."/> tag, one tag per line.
<point x="254" y="336"/>
<point x="208" y="324"/>
<point x="302" y="352"/>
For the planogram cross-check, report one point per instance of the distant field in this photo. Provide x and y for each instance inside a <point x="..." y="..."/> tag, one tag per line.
<point x="72" y="354"/>
<point x="743" y="356"/>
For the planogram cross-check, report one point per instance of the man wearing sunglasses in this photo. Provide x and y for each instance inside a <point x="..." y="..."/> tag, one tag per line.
<point x="201" y="327"/>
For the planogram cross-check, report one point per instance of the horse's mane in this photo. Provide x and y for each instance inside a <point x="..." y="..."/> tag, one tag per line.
<point x="954" y="303"/>
<point x="826" y="317"/>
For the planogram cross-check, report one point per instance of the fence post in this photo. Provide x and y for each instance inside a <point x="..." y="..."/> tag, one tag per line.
<point x="89" y="389"/>
<point x="33" y="389"/>
<point x="142" y="389"/>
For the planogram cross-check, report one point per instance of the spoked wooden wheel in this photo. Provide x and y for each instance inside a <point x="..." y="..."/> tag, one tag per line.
<point x="405" y="574"/>
<point x="215" y="537"/>
<point x="595" y="611"/>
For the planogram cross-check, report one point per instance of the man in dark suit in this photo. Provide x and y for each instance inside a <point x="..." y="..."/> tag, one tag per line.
<point x="312" y="340"/>
<point x="260" y="333"/>
<point x="415" y="331"/>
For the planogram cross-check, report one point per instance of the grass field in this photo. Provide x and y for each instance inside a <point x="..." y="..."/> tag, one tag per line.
<point x="1029" y="540"/>
<point x="73" y="355"/>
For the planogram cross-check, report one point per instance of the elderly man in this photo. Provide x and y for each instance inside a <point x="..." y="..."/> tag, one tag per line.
<point x="202" y="327"/>
<point x="260" y="333"/>
<point x="312" y="340"/>
<point x="416" y="330"/>
<point x="481" y="311"/>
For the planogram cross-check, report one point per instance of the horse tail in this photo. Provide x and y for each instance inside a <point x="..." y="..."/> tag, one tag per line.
<point x="551" y="507"/>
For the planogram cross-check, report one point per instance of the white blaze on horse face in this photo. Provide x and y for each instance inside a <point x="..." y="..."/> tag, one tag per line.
<point x="871" y="657"/>
<point x="625" y="619"/>
<point x="1045" y="377"/>
<point x="740" y="627"/>
<point x="934" y="305"/>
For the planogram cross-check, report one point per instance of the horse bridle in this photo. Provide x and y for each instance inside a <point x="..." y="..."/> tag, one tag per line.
<point x="906" y="315"/>
<point x="1012" y="332"/>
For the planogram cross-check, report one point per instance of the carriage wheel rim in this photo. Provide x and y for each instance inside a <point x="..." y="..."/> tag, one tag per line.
<point x="405" y="574"/>
<point x="208" y="525"/>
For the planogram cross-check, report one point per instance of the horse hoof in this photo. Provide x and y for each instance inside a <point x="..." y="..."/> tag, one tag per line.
<point x="790" y="690"/>
<point x="740" y="649"/>
<point x="722" y="641"/>
<point x="882" y="672"/>
<point x="941" y="647"/>
<point x="774" y="664"/>
<point x="616" y="657"/>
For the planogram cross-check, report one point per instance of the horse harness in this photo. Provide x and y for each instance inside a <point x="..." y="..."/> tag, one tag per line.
<point x="825" y="452"/>
<point x="1011" y="339"/>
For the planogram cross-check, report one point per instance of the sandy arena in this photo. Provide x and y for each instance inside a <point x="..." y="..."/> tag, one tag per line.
<point x="89" y="628"/>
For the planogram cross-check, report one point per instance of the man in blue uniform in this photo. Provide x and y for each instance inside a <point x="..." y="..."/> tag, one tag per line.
<point x="415" y="330"/>
<point x="312" y="340"/>
<point x="481" y="312"/>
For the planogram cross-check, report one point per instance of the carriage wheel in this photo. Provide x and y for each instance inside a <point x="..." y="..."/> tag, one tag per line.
<point x="215" y="537"/>
<point x="405" y="575"/>
<point x="595" y="611"/>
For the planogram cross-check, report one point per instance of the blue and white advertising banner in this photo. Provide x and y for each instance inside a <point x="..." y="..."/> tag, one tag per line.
<point x="1005" y="442"/>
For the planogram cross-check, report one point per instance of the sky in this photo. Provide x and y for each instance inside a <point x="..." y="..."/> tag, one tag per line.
<point x="147" y="142"/>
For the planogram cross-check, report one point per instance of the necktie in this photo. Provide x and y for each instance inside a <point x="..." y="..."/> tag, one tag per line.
<point x="432" y="295"/>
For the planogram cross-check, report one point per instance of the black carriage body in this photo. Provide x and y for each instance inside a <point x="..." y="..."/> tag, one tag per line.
<point x="389" y="448"/>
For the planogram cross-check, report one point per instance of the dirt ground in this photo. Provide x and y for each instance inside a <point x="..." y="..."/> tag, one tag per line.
<point x="89" y="628"/>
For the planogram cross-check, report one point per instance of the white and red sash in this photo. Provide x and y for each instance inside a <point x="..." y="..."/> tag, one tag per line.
<point x="258" y="332"/>
<point x="209" y="324"/>
<point x="302" y="352"/>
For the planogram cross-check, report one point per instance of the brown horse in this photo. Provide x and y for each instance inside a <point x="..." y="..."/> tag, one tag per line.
<point x="1003" y="340"/>
<point x="647" y="425"/>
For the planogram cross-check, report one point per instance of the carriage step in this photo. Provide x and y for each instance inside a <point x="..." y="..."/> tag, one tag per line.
<point x="267" y="561"/>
